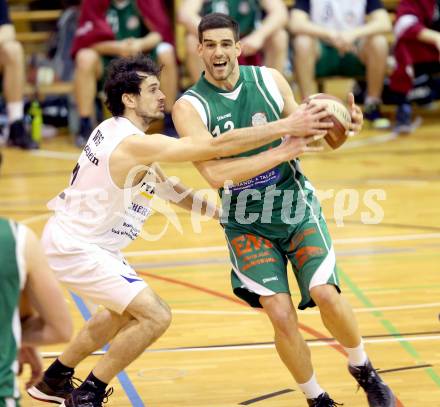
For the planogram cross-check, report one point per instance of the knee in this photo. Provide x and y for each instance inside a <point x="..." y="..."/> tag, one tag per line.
<point x="86" y="59"/>
<point x="377" y="44"/>
<point x="167" y="58"/>
<point x="326" y="297"/>
<point x="303" y="44"/>
<point x="278" y="41"/>
<point x="12" y="51"/>
<point x="158" y="319"/>
<point x="285" y="323"/>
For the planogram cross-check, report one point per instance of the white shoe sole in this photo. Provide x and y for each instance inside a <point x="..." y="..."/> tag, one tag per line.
<point x="37" y="394"/>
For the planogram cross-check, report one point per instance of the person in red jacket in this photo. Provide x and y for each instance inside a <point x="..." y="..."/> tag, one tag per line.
<point x="120" y="28"/>
<point x="417" y="31"/>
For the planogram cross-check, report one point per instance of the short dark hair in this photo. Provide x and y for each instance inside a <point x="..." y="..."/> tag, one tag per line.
<point x="122" y="77"/>
<point x="218" y="20"/>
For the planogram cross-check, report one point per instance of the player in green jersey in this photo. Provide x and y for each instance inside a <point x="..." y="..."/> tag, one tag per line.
<point x="270" y="212"/>
<point x="24" y="271"/>
<point x="262" y="29"/>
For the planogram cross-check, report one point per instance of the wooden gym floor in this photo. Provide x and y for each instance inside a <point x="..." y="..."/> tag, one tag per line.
<point x="220" y="353"/>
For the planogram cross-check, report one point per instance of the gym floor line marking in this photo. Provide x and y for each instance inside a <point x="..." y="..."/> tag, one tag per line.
<point x="265" y="397"/>
<point x="280" y="392"/>
<point x="400" y="369"/>
<point x="307" y="312"/>
<point x="314" y="343"/>
<point x="389" y="326"/>
<point x="223" y="248"/>
<point x="61" y="155"/>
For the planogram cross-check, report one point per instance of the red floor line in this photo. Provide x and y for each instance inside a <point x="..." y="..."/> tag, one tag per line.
<point x="303" y="327"/>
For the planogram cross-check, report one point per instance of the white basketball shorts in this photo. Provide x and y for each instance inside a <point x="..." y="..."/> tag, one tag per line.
<point x="95" y="274"/>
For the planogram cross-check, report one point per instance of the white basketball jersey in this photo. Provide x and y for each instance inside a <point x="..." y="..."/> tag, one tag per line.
<point x="93" y="208"/>
<point x="340" y="15"/>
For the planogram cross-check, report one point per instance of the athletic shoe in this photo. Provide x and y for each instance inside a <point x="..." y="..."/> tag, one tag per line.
<point x="403" y="118"/>
<point x="323" y="400"/>
<point x="378" y="393"/>
<point x="20" y="137"/>
<point x="373" y="115"/>
<point x="54" y="390"/>
<point x="86" y="398"/>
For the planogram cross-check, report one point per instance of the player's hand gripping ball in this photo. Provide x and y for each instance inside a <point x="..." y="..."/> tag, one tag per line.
<point x="338" y="114"/>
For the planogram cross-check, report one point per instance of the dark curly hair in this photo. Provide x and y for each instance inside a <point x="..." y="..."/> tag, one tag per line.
<point x="122" y="77"/>
<point x="218" y="20"/>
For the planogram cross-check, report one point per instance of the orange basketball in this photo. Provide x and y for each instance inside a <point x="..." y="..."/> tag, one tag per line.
<point x="339" y="115"/>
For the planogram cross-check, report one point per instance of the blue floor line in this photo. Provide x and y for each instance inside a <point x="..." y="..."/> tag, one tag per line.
<point x="123" y="378"/>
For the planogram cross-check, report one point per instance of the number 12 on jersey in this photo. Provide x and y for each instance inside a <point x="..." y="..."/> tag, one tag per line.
<point x="228" y="125"/>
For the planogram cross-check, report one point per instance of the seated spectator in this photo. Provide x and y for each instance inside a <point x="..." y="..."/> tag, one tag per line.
<point x="114" y="28"/>
<point x="45" y="319"/>
<point x="417" y="32"/>
<point x="257" y="34"/>
<point x="12" y="67"/>
<point x="342" y="37"/>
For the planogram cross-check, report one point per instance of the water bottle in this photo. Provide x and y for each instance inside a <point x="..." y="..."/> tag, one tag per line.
<point x="37" y="121"/>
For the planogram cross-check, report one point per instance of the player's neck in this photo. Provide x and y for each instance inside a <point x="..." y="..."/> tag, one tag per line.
<point x="227" y="84"/>
<point x="139" y="122"/>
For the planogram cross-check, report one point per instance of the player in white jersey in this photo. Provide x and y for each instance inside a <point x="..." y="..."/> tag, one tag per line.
<point x="103" y="209"/>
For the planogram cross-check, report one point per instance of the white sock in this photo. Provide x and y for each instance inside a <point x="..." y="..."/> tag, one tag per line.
<point x="15" y="111"/>
<point x="311" y="389"/>
<point x="371" y="100"/>
<point x="357" y="356"/>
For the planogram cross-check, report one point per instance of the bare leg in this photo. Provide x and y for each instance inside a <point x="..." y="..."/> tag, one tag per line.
<point x="337" y="315"/>
<point x="193" y="62"/>
<point x="12" y="59"/>
<point x="306" y="55"/>
<point x="169" y="76"/>
<point x="374" y="54"/>
<point x="88" y="69"/>
<point x="275" y="50"/>
<point x="289" y="343"/>
<point x="151" y="317"/>
<point x="97" y="331"/>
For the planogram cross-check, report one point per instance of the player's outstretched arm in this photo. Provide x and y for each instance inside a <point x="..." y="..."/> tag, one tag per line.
<point x="173" y="190"/>
<point x="137" y="149"/>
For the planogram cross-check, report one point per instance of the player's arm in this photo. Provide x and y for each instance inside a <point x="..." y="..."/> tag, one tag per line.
<point x="111" y="48"/>
<point x="148" y="42"/>
<point x="300" y="23"/>
<point x="190" y="126"/>
<point x="276" y="17"/>
<point x="159" y="148"/>
<point x="377" y="22"/>
<point x="52" y="322"/>
<point x="189" y="14"/>
<point x="181" y="195"/>
<point x="357" y="118"/>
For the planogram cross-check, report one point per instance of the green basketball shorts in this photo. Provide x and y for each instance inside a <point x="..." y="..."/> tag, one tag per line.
<point x="259" y="258"/>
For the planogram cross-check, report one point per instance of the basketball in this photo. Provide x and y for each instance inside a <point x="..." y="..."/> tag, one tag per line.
<point x="339" y="115"/>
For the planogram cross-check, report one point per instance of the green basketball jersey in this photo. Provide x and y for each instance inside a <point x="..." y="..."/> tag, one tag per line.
<point x="12" y="281"/>
<point x="254" y="101"/>
<point x="247" y="13"/>
<point x="126" y="20"/>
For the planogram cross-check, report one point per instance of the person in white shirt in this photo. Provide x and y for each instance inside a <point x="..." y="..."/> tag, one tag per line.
<point x="346" y="38"/>
<point x="103" y="210"/>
